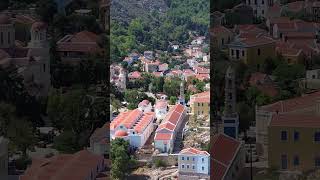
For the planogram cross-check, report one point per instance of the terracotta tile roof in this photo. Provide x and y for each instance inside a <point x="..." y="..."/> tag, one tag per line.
<point x="161" y="104"/>
<point x="144" y="103"/>
<point x="249" y="31"/>
<point x="252" y="41"/>
<point x="134" y="75"/>
<point x="167" y="125"/>
<point x="174" y="116"/>
<point x="287" y="49"/>
<point x="24" y="19"/>
<point x="223" y="151"/>
<point x="282" y="20"/>
<point x="295" y="6"/>
<point x="203" y="77"/>
<point x="83" y="41"/>
<point x="194" y="151"/>
<point x="130" y="120"/>
<point x="217" y="30"/>
<point x="119" y="119"/>
<point x="295" y="120"/>
<point x="293" y="104"/>
<point x="62" y="167"/>
<point x="218" y="170"/>
<point x="203" y="97"/>
<point x="163" y="136"/>
<point x="202" y="70"/>
<point x="146" y="119"/>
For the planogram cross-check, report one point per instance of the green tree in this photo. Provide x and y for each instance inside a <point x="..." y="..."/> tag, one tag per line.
<point x="66" y="142"/>
<point x="7" y="115"/>
<point x="172" y="87"/>
<point x="21" y="134"/>
<point x="120" y="157"/>
<point x="173" y="100"/>
<point x="46" y="9"/>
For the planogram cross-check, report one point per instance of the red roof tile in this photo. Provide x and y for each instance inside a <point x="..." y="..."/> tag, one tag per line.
<point x="62" y="167"/>
<point x="83" y="41"/>
<point x="194" y="151"/>
<point x="293" y="104"/>
<point x="224" y="148"/>
<point x="163" y="136"/>
<point x="295" y="120"/>
<point x="203" y="97"/>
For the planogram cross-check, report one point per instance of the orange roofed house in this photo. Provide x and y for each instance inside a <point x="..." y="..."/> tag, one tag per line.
<point x="227" y="157"/>
<point x="200" y="103"/>
<point x="168" y="129"/>
<point x="73" y="48"/>
<point x="294" y="141"/>
<point x="303" y="108"/>
<point x="193" y="164"/>
<point x="252" y="50"/>
<point x="82" y="165"/>
<point x="134" y="126"/>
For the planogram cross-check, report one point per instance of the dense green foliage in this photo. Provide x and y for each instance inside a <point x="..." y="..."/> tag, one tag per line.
<point x="121" y="159"/>
<point x="156" y="32"/>
<point x="77" y="114"/>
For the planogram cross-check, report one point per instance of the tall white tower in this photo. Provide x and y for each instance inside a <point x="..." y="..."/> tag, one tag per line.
<point x="230" y="117"/>
<point x="39" y="51"/>
<point x="182" y="96"/>
<point x="122" y="79"/>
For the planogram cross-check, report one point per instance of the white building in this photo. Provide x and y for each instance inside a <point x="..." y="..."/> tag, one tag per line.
<point x="167" y="131"/>
<point x="193" y="161"/>
<point x="260" y="7"/>
<point x="3" y="158"/>
<point x="99" y="140"/>
<point x="118" y="77"/>
<point x="161" y="109"/>
<point x="134" y="126"/>
<point x="145" y="106"/>
<point x="32" y="62"/>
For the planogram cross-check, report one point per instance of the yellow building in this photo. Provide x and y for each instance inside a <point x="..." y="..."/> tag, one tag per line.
<point x="252" y="50"/>
<point x="200" y="104"/>
<point x="294" y="142"/>
<point x="221" y="36"/>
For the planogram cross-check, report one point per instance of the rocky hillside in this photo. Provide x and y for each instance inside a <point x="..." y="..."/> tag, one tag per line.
<point x="125" y="10"/>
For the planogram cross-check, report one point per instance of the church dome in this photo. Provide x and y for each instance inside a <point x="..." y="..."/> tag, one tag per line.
<point x="38" y="26"/>
<point x="4" y="19"/>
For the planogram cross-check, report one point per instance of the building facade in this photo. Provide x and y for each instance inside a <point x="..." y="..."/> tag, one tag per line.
<point x="200" y="104"/>
<point x="252" y="51"/>
<point x="193" y="161"/>
<point x="33" y="61"/>
<point x="294" y="142"/>
<point x="306" y="104"/>
<point x="135" y="126"/>
<point x="167" y="131"/>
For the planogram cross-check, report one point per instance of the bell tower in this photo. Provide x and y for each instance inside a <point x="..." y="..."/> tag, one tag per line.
<point x="230" y="116"/>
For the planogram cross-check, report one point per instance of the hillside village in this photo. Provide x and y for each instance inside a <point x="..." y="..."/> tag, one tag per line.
<point x="270" y="88"/>
<point x="173" y="103"/>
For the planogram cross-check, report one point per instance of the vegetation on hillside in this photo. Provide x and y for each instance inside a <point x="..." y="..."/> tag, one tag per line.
<point x="155" y="33"/>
